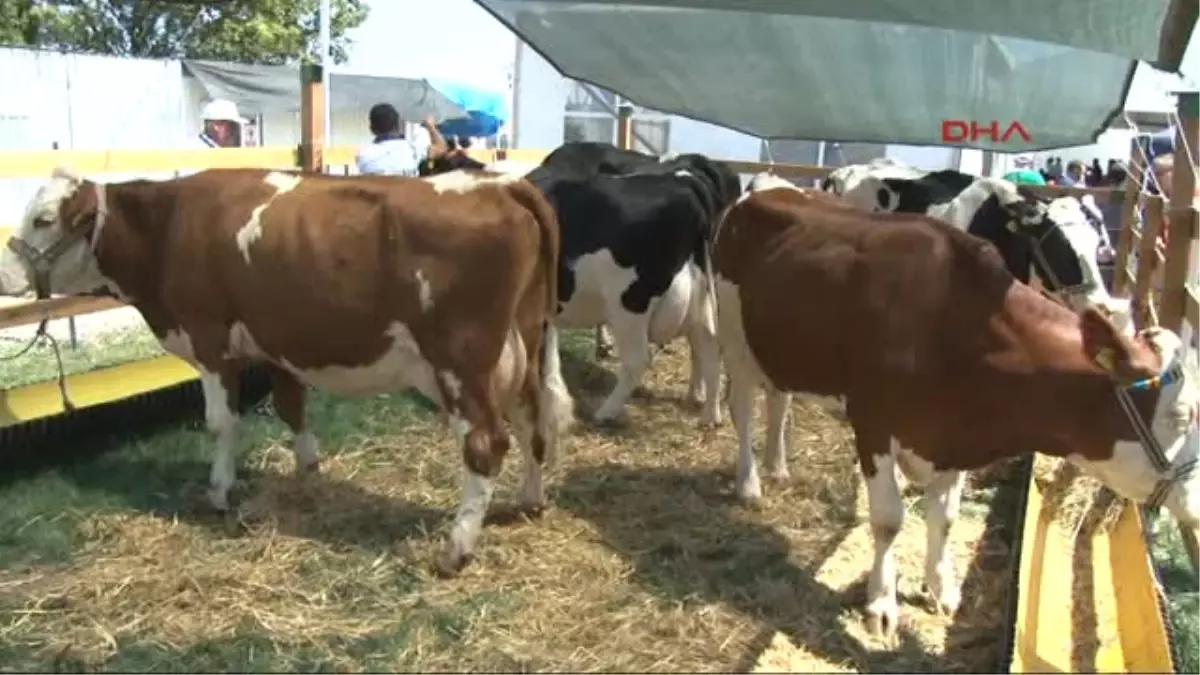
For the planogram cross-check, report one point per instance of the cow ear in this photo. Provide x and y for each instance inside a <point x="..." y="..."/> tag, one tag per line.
<point x="1105" y="345"/>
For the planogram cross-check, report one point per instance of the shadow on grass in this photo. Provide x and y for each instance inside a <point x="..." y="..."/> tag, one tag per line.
<point x="689" y="543"/>
<point x="1001" y="486"/>
<point x="165" y="473"/>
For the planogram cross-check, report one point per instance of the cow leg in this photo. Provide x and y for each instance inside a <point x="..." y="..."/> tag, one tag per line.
<point x="220" y="414"/>
<point x="887" y="515"/>
<point x="741" y="410"/>
<point x="604" y="347"/>
<point x="557" y="408"/>
<point x="777" y="417"/>
<point x="631" y="335"/>
<point x="289" y="397"/>
<point x="484" y="442"/>
<point x="943" y="496"/>
<point x="706" y="357"/>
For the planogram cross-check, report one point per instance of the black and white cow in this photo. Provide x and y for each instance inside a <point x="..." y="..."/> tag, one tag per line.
<point x="634" y="247"/>
<point x="1053" y="237"/>
<point x="586" y="159"/>
<point x="634" y="250"/>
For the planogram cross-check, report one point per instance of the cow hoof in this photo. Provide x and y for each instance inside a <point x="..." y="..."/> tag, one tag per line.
<point x="451" y="562"/>
<point x="780" y="475"/>
<point x="883" y="618"/>
<point x="612" y="420"/>
<point x="532" y="510"/>
<point x="749" y="494"/>
<point x="217" y="499"/>
<point x="945" y="600"/>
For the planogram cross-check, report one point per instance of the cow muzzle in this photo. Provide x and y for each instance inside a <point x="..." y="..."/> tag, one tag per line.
<point x="41" y="262"/>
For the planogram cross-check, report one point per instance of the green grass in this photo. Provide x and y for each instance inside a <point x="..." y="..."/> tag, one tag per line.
<point x="109" y="348"/>
<point x="65" y="519"/>
<point x="1183" y="593"/>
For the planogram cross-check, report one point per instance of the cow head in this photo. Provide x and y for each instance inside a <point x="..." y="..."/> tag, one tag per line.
<point x="1064" y="245"/>
<point x="53" y="247"/>
<point x="1155" y="364"/>
<point x="447" y="162"/>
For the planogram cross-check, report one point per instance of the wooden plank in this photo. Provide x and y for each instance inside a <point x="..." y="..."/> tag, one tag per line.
<point x="1192" y="307"/>
<point x="1101" y="195"/>
<point x="1184" y="220"/>
<point x="786" y="170"/>
<point x="1132" y="191"/>
<point x="40" y="163"/>
<point x="1141" y="297"/>
<point x="22" y="312"/>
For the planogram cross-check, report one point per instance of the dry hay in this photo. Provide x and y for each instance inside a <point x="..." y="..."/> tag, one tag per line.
<point x="643" y="563"/>
<point x="1081" y="509"/>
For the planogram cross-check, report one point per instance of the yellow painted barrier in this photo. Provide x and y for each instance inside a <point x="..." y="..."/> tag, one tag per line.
<point x="1128" y="622"/>
<point x="39" y="163"/>
<point x="96" y="387"/>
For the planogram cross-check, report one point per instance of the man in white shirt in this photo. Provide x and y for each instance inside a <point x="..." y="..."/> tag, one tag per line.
<point x="391" y="153"/>
<point x="221" y="125"/>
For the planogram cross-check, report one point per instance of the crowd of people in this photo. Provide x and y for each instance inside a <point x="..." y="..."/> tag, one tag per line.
<point x="1074" y="174"/>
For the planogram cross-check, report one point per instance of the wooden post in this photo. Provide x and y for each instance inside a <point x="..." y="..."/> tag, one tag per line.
<point x="625" y="127"/>
<point x="312" y="119"/>
<point x="1129" y="206"/>
<point x="1147" y="263"/>
<point x="1177" y="268"/>
<point x="989" y="157"/>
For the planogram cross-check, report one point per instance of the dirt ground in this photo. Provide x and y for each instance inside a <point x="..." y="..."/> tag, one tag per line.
<point x="644" y="561"/>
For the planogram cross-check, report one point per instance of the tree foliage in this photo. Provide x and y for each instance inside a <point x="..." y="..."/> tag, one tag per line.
<point x="245" y="31"/>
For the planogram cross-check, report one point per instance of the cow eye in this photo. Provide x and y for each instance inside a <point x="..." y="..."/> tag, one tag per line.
<point x="42" y="222"/>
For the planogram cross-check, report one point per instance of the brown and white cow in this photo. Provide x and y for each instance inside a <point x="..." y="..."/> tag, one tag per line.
<point x="355" y="285"/>
<point x="946" y="362"/>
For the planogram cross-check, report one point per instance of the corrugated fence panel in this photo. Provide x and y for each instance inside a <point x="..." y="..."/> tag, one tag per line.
<point x="84" y="102"/>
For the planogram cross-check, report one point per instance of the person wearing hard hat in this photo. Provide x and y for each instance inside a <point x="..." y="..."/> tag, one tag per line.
<point x="222" y="125"/>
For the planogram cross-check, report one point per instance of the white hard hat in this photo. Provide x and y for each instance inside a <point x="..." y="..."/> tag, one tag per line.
<point x="221" y="109"/>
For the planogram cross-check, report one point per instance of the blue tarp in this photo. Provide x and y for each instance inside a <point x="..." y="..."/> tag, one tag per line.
<point x="487" y="111"/>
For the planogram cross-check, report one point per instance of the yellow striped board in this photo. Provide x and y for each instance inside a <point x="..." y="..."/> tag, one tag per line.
<point x="93" y="388"/>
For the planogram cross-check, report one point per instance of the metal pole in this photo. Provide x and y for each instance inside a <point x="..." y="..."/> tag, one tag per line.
<point x="325" y="19"/>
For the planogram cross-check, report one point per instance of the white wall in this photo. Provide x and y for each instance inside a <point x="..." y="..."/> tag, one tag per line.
<point x="84" y="102"/>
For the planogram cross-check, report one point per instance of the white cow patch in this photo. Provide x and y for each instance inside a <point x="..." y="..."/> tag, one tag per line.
<point x="400" y="367"/>
<point x="462" y="182"/>
<point x="671" y="310"/>
<point x="424" y="292"/>
<point x="179" y="343"/>
<point x="767" y="181"/>
<point x="453" y="386"/>
<point x="252" y="230"/>
<point x="597" y="277"/>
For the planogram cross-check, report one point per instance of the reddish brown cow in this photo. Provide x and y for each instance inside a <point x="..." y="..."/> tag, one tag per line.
<point x="355" y="285"/>
<point x="946" y="362"/>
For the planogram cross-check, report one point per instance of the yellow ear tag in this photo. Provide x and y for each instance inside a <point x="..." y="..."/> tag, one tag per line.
<point x="1105" y="358"/>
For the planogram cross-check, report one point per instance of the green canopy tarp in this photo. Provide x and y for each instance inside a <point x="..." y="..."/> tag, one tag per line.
<point x="262" y="88"/>
<point x="865" y="70"/>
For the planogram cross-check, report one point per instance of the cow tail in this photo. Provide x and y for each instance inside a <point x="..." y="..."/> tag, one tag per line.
<point x="557" y="409"/>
